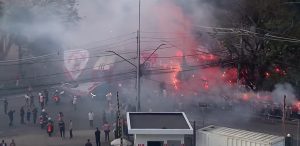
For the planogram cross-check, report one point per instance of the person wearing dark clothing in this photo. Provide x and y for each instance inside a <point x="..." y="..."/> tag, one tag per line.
<point x="28" y="114"/>
<point x="12" y="143"/>
<point x="88" y="143"/>
<point x="106" y="128"/>
<point x="22" y="114"/>
<point x="61" y="126"/>
<point x="46" y="95"/>
<point x="3" y="143"/>
<point x="71" y="129"/>
<point x="5" y="105"/>
<point x="31" y="100"/>
<point x="11" y="117"/>
<point x="34" y="115"/>
<point x="97" y="136"/>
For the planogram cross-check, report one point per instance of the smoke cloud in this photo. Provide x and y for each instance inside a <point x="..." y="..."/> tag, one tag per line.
<point x="173" y="22"/>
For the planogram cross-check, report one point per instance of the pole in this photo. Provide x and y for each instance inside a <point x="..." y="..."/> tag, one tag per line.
<point x="138" y="63"/>
<point x="283" y="115"/>
<point x="194" y="133"/>
<point x="122" y="58"/>
<point x="298" y="128"/>
<point x="203" y="117"/>
<point x="240" y="60"/>
<point x="119" y="121"/>
<point x="152" y="53"/>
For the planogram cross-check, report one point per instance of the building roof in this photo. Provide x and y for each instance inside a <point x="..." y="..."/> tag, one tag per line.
<point x="158" y="123"/>
<point x="242" y="134"/>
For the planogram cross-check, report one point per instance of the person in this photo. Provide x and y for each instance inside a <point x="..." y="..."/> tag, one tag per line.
<point x="91" y="118"/>
<point x="106" y="128"/>
<point x="28" y="114"/>
<point x="41" y="99"/>
<point x="46" y="94"/>
<point x="97" y="136"/>
<point x="34" y="115"/>
<point x="27" y="98"/>
<point x="71" y="129"/>
<point x="31" y="100"/>
<point x="29" y="89"/>
<point x="60" y="116"/>
<point x="50" y="128"/>
<point x="61" y="125"/>
<point x="74" y="102"/>
<point x="22" y="114"/>
<point x="56" y="93"/>
<point x="3" y="143"/>
<point x="5" y="105"/>
<point x="111" y="111"/>
<point x="12" y="143"/>
<point x="88" y="143"/>
<point x="11" y="117"/>
<point x="108" y="98"/>
<point x="43" y="118"/>
<point x="125" y="129"/>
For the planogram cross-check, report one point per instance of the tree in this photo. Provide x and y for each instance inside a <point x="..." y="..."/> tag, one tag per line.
<point x="33" y="28"/>
<point x="255" y="42"/>
<point x="22" y="21"/>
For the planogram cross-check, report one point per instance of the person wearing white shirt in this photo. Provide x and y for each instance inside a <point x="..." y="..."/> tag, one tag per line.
<point x="91" y="118"/>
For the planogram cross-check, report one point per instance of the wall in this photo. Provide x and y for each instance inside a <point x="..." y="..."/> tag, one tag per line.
<point x="142" y="139"/>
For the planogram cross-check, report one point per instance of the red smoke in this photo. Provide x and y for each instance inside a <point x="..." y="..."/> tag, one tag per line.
<point x="171" y="19"/>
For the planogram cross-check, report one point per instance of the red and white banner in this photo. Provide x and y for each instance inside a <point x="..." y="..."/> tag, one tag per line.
<point x="75" y="61"/>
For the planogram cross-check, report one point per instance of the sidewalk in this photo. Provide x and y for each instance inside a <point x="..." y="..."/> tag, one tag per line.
<point x="79" y="139"/>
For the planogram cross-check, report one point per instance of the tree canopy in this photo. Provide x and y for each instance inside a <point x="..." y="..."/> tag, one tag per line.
<point x="23" y="22"/>
<point x="264" y="40"/>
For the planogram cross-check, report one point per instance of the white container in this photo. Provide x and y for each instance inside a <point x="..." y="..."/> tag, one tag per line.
<point x="222" y="136"/>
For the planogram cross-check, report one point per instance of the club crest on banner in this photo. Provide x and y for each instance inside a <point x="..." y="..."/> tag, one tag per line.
<point x="75" y="62"/>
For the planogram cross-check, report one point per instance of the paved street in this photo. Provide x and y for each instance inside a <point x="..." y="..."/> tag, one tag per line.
<point x="41" y="139"/>
<point x="29" y="134"/>
<point x="244" y="121"/>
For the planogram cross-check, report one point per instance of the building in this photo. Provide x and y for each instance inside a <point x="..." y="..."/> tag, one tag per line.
<point x="158" y="129"/>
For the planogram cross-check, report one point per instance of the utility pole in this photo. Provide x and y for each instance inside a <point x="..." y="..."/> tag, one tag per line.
<point x="283" y="115"/>
<point x="298" y="126"/>
<point x="241" y="55"/>
<point x="137" y="67"/>
<point x="194" y="133"/>
<point x="138" y="75"/>
<point x="120" y="128"/>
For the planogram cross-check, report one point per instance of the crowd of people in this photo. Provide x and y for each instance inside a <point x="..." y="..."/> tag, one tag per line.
<point x="12" y="143"/>
<point x="35" y="110"/>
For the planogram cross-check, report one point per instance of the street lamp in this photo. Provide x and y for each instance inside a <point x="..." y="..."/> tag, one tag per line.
<point x="138" y="73"/>
<point x="122" y="58"/>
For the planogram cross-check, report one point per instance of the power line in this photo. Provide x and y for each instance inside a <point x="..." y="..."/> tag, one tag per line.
<point x="59" y="83"/>
<point x="247" y="32"/>
<point x="30" y="58"/>
<point x="61" y="73"/>
<point x="160" y="71"/>
<point x="47" y="55"/>
<point x="119" y="43"/>
<point x="107" y="39"/>
<point x="57" y="60"/>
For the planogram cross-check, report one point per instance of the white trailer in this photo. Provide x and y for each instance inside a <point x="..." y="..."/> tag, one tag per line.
<point x="222" y="136"/>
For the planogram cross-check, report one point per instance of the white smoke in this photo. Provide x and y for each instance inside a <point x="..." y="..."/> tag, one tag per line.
<point x="282" y="90"/>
